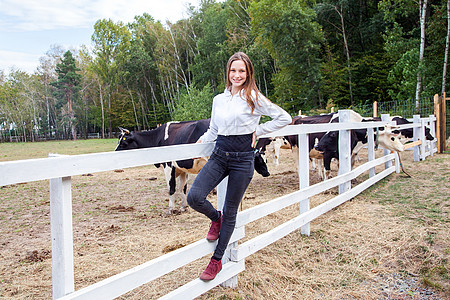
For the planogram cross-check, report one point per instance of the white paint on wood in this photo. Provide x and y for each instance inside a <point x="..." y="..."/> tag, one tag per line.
<point x="345" y="163"/>
<point x="416" y="137"/>
<point x="370" y="149"/>
<point x="386" y="118"/>
<point x="62" y="236"/>
<point x="254" y="213"/>
<point x="126" y="281"/>
<point x="249" y="247"/>
<point x="303" y="175"/>
<point x="63" y="166"/>
<point x="197" y="287"/>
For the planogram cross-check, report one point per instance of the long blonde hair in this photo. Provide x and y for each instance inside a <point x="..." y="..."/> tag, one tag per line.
<point x="249" y="84"/>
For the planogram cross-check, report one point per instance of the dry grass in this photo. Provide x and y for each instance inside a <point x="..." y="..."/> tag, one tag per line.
<point x="399" y="226"/>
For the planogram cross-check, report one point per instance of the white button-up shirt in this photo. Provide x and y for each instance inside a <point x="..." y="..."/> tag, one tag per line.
<point x="231" y="115"/>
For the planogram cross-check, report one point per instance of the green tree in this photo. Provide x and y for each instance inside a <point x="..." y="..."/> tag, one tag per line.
<point x="67" y="87"/>
<point x="289" y="31"/>
<point x="111" y="43"/>
<point x="211" y="58"/>
<point x="194" y="106"/>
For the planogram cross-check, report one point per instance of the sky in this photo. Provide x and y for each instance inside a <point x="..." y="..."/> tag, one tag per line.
<point x="29" y="28"/>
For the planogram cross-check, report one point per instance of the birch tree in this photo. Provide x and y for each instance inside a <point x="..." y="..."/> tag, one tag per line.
<point x="447" y="42"/>
<point x="423" y="11"/>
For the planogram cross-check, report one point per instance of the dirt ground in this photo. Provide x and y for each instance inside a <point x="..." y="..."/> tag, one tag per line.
<point x="377" y="246"/>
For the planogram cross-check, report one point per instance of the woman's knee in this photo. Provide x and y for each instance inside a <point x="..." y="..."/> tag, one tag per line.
<point x="193" y="198"/>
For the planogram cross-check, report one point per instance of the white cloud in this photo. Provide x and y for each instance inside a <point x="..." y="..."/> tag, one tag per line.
<point x="22" y="61"/>
<point x="31" y="15"/>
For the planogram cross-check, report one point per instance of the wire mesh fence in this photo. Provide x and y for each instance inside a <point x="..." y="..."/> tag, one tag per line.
<point x="405" y="108"/>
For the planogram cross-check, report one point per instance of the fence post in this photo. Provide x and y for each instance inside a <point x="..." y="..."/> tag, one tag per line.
<point x="386" y="118"/>
<point x="433" y="133"/>
<point x="371" y="150"/>
<point x="437" y="112"/>
<point x="221" y="193"/>
<point x="345" y="161"/>
<point x="375" y="109"/>
<point x="422" y="147"/>
<point x="416" y="136"/>
<point x="62" y="236"/>
<point x="303" y="175"/>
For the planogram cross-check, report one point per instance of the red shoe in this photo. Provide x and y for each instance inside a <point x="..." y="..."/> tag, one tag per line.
<point x="212" y="269"/>
<point x="214" y="230"/>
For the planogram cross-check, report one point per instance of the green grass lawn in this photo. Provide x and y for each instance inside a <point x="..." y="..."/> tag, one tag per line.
<point x="18" y="151"/>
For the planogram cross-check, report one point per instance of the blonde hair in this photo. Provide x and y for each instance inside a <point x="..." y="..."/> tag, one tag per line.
<point x="249" y="84"/>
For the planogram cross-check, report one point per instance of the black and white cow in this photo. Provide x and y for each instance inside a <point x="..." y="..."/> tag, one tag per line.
<point x="313" y="138"/>
<point x="405" y="134"/>
<point x="387" y="137"/>
<point x="176" y="133"/>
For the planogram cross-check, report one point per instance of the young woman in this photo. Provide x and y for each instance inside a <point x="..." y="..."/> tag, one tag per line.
<point x="234" y="125"/>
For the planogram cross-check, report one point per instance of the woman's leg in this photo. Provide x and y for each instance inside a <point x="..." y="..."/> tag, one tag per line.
<point x="240" y="174"/>
<point x="207" y="179"/>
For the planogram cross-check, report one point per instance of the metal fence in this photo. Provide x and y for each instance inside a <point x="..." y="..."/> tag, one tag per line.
<point x="405" y="108"/>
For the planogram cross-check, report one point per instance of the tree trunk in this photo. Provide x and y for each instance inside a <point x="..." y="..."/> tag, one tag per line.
<point x="444" y="72"/>
<point x="347" y="52"/>
<point x="103" y="110"/>
<point x="423" y="11"/>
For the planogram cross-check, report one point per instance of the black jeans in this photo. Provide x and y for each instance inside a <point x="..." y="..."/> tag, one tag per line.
<point x="239" y="167"/>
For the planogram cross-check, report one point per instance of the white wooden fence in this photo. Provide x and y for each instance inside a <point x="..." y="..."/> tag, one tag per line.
<point x="59" y="169"/>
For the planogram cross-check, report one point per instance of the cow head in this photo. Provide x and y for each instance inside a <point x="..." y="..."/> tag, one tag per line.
<point x="260" y="164"/>
<point x="329" y="142"/>
<point x="126" y="140"/>
<point x="387" y="139"/>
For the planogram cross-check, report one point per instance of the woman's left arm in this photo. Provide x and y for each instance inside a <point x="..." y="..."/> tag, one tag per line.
<point x="280" y="118"/>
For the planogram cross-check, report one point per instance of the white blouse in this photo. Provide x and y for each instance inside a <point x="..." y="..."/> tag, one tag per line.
<point x="231" y="115"/>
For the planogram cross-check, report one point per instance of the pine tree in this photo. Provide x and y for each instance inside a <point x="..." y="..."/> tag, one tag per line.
<point x="67" y="87"/>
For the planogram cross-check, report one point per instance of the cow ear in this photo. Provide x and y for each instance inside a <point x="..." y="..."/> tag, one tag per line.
<point x="124" y="131"/>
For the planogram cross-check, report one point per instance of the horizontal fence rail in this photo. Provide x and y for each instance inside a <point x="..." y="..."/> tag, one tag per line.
<point x="59" y="169"/>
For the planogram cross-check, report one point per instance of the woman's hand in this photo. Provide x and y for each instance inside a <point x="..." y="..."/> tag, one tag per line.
<point x="254" y="139"/>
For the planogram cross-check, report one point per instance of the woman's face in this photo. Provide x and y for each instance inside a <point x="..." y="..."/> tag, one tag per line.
<point x="237" y="75"/>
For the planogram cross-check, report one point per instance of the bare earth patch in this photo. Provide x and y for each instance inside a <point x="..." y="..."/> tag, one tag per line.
<point x="391" y="242"/>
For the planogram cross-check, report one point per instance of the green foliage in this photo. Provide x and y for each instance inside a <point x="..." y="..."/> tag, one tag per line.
<point x="211" y="58"/>
<point x="194" y="106"/>
<point x="290" y="33"/>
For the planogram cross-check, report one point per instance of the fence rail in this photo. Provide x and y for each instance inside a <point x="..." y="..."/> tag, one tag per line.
<point x="59" y="170"/>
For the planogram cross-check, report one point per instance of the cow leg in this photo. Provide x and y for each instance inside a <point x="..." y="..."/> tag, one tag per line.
<point x="327" y="165"/>
<point x="313" y="163"/>
<point x="319" y="168"/>
<point x="183" y="190"/>
<point x="169" y="173"/>
<point x="295" y="153"/>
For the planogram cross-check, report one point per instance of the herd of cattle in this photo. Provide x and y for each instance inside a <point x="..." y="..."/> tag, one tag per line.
<point x="323" y="146"/>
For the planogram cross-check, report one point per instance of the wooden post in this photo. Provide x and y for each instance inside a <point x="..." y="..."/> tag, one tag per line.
<point x="221" y="193"/>
<point x="422" y="147"/>
<point x="441" y="127"/>
<point x="303" y="175"/>
<point x="371" y="150"/>
<point x="386" y="118"/>
<point x="345" y="159"/>
<point x="444" y="121"/>
<point x="332" y="109"/>
<point x="416" y="137"/>
<point x="375" y="109"/>
<point x="433" y="133"/>
<point x="62" y="236"/>
<point x="437" y="113"/>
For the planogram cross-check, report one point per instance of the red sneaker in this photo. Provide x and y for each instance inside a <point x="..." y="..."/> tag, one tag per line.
<point x="212" y="269"/>
<point x="214" y="230"/>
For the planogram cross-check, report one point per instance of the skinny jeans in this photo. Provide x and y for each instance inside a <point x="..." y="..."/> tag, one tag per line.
<point x="239" y="167"/>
